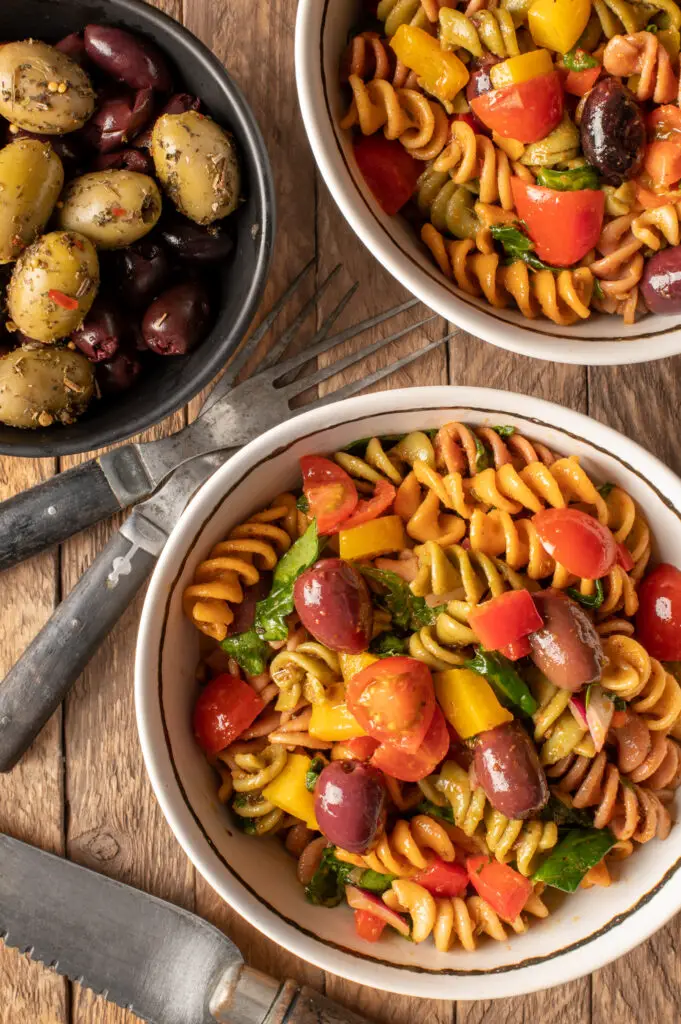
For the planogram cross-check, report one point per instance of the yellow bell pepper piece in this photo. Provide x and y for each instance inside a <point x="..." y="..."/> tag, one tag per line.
<point x="351" y="664"/>
<point x="289" y="792"/>
<point x="442" y="73"/>
<point x="377" y="537"/>
<point x="521" y="68"/>
<point x="333" y="721"/>
<point x="558" y="24"/>
<point x="468" y="702"/>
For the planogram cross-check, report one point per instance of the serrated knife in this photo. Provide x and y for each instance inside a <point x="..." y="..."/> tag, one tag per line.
<point x="161" y="962"/>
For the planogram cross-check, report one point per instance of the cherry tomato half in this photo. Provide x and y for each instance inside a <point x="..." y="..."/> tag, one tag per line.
<point x="368" y="926"/>
<point x="658" y="622"/>
<point x="577" y="541"/>
<point x="527" y="111"/>
<point x="443" y="879"/>
<point x="505" y="890"/>
<point x="361" y="747"/>
<point x="371" y="508"/>
<point x="394" y="700"/>
<point x="564" y="226"/>
<point x="388" y="169"/>
<point x="412" y="767"/>
<point x="505" y="619"/>
<point x="331" y="493"/>
<point x="224" y="709"/>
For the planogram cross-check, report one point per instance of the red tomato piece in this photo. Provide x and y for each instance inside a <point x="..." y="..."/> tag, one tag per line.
<point x="517" y="649"/>
<point x="394" y="701"/>
<point x="443" y="879"/>
<point x="527" y="111"/>
<point x="331" y="493"/>
<point x="505" y="619"/>
<point x="224" y="709"/>
<point x="624" y="558"/>
<point x="658" y="622"/>
<point x="368" y="926"/>
<point x="577" y="541"/>
<point x="505" y="890"/>
<point x="388" y="169"/>
<point x="579" y="83"/>
<point x="370" y="508"/>
<point x="361" y="747"/>
<point x="412" y="767"/>
<point x="663" y="161"/>
<point x="564" y="226"/>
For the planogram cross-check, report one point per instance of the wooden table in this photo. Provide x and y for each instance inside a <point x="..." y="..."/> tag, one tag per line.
<point x="82" y="790"/>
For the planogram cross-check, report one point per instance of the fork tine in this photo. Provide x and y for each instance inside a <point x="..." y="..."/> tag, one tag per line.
<point x="289" y="334"/>
<point x="303" y="383"/>
<point x="358" y="385"/>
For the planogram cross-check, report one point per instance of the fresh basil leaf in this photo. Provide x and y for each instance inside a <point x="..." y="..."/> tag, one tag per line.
<point x="504" y="431"/>
<point x="271" y="612"/>
<point x="435" y="811"/>
<point x="565" y="816"/>
<point x="604" y="490"/>
<point x="569" y="181"/>
<point x="481" y="455"/>
<point x="303" y="505"/>
<point x="327" y="886"/>
<point x="317" y="766"/>
<point x="579" y="60"/>
<point x="517" y="246"/>
<point x="568" y="863"/>
<point x="499" y="671"/>
<point x="374" y="881"/>
<point x="388" y="645"/>
<point x="249" y="650"/>
<point x="408" y="611"/>
<point x="594" y="600"/>
<point x="598" y="290"/>
<point x="652" y="27"/>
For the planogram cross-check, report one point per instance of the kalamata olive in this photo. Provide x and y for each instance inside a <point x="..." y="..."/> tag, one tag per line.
<point x="142" y="271"/>
<point x="118" y="374"/>
<point x="125" y="159"/>
<point x="189" y="241"/>
<point x="69" y="148"/>
<point x="177" y="104"/>
<point x="613" y="131"/>
<point x="100" y="335"/>
<point x="127" y="57"/>
<point x="74" y="47"/>
<point x="567" y="649"/>
<point x="507" y="767"/>
<point x="177" y="320"/>
<point x="333" y="603"/>
<point x="480" y="82"/>
<point x="244" y="613"/>
<point x="118" y="118"/>
<point x="350" y="804"/>
<point x="661" y="281"/>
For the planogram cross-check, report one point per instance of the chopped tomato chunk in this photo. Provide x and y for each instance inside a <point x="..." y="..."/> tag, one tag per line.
<point x="443" y="879"/>
<point x="388" y="169"/>
<point x="527" y="111"/>
<point x="368" y="926"/>
<point x="224" y="709"/>
<point x="564" y="226"/>
<point x="505" y="890"/>
<point x="505" y="619"/>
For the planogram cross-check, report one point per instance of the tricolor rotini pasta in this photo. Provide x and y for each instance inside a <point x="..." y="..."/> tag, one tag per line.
<point x="439" y="674"/>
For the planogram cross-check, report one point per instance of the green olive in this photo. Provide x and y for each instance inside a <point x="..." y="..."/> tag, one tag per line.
<point x="43" y="90"/>
<point x="53" y="285"/>
<point x="111" y="208"/>
<point x="31" y="178"/>
<point x="39" y="386"/>
<point x="196" y="162"/>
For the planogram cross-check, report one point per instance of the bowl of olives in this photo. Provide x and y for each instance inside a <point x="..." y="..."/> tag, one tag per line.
<point x="136" y="222"/>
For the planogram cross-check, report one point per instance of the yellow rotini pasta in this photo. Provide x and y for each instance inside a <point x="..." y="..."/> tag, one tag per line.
<point x="405" y="114"/>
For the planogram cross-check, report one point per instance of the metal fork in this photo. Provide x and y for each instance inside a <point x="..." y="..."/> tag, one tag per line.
<point x="42" y="677"/>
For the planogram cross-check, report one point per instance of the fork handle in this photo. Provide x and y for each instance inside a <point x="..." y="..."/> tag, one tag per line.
<point x="50" y="512"/>
<point x="42" y="677"/>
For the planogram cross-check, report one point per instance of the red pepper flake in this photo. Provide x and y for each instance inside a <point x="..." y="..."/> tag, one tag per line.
<point x="76" y="241"/>
<point x="118" y="211"/>
<point x="65" y="301"/>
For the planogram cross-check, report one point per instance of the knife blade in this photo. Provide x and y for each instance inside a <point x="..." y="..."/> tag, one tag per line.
<point x="159" y="961"/>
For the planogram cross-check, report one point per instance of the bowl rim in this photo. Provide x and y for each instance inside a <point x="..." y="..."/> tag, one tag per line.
<point x="261" y="179"/>
<point x="652" y="910"/>
<point x="363" y="218"/>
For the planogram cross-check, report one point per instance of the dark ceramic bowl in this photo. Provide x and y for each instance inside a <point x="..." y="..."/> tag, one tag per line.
<point x="167" y="382"/>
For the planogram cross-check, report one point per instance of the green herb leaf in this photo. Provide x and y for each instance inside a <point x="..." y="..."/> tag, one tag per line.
<point x="432" y="433"/>
<point x="652" y="27"/>
<point x="598" y="290"/>
<point x="504" y="431"/>
<point x="568" y="863"/>
<point x="482" y="458"/>
<point x="408" y="611"/>
<point x="427" y="807"/>
<point x="604" y="490"/>
<point x="317" y="766"/>
<point x="249" y="650"/>
<point x="569" y="181"/>
<point x="594" y="600"/>
<point x="373" y="881"/>
<point x="303" y="505"/>
<point x="579" y="60"/>
<point x="271" y="612"/>
<point x="565" y="816"/>
<point x="388" y="645"/>
<point x="327" y="886"/>
<point x="499" y="671"/>
<point x="518" y="246"/>
<point x="619" y="702"/>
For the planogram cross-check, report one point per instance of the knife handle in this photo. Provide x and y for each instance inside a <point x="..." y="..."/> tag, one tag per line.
<point x="305" y="1006"/>
<point x="42" y="677"/>
<point x="250" y="997"/>
<point x="54" y="510"/>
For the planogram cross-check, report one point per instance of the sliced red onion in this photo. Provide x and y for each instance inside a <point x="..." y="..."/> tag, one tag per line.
<point x="360" y="899"/>
<point x="599" y="714"/>
<point x="578" y="709"/>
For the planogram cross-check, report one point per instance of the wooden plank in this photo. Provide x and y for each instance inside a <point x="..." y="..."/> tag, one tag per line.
<point x="567" y="1004"/>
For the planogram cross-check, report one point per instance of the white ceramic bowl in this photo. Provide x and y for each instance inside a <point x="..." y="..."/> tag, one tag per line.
<point x="322" y="30"/>
<point x="256" y="876"/>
